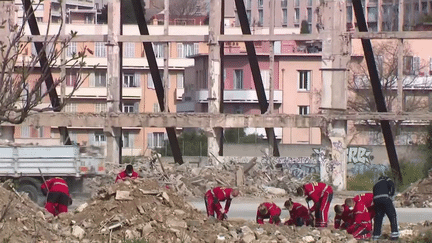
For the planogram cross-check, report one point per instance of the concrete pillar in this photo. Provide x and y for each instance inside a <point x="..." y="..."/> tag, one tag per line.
<point x="113" y="134"/>
<point x="335" y="58"/>
<point x="400" y="101"/>
<point x="166" y="56"/>
<point x="214" y="85"/>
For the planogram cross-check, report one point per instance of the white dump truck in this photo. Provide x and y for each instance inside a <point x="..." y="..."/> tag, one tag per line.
<point x="26" y="165"/>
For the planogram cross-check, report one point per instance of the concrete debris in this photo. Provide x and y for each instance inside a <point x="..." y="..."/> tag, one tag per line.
<point x="123" y="195"/>
<point x="78" y="232"/>
<point x="308" y="239"/>
<point x="81" y="207"/>
<point x="418" y="195"/>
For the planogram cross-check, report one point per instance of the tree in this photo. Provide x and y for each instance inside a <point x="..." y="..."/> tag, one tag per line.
<point x="23" y="77"/>
<point x="193" y="143"/>
<point x="304" y="29"/>
<point x="180" y="8"/>
<point x="361" y="98"/>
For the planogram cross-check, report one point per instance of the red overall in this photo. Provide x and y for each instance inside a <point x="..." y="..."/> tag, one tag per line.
<point x="362" y="225"/>
<point x="272" y="210"/>
<point x="321" y="194"/>
<point x="299" y="215"/>
<point x="58" y="196"/>
<point x="345" y="220"/>
<point x="212" y="199"/>
<point x="123" y="176"/>
<point x="367" y="200"/>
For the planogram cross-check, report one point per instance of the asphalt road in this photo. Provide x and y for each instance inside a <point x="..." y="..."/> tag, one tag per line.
<point x="246" y="208"/>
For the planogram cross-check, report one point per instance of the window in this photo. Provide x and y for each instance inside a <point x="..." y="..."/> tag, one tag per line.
<point x="260" y="3"/>
<point x="196" y="48"/>
<point x="186" y="49"/>
<point x="411" y="65"/>
<point x="40" y="131"/>
<point x="150" y="83"/>
<point x="100" y="49"/>
<point x="265" y="75"/>
<point x="72" y="49"/>
<point x="238" y="79"/>
<point x="156" y="107"/>
<point x="155" y="140"/>
<point x="284" y="3"/>
<point x="128" y="139"/>
<point x="372" y="14"/>
<point x="99" y="138"/>
<point x="100" y="79"/>
<point x="158" y="49"/>
<point x="129" y="80"/>
<point x="88" y="19"/>
<point x="130" y="107"/>
<point x="71" y="78"/>
<point x="349" y="14"/>
<point x="303" y="110"/>
<point x="309" y="3"/>
<point x="249" y="14"/>
<point x="73" y="137"/>
<point x="71" y="107"/>
<point x="25" y="131"/>
<point x="304" y="80"/>
<point x="297" y="3"/>
<point x="129" y="49"/>
<point x="180" y="80"/>
<point x="101" y="107"/>
<point x="309" y="15"/>
<point x="296" y="15"/>
<point x="284" y="16"/>
<point x="379" y="63"/>
<point x="261" y="17"/>
<point x="248" y="4"/>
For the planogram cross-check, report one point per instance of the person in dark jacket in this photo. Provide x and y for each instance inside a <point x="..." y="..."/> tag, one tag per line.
<point x="383" y="192"/>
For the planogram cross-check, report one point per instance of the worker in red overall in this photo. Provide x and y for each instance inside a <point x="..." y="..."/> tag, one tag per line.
<point x="129" y="173"/>
<point x="58" y="198"/>
<point x="213" y="197"/>
<point x="268" y="210"/>
<point x="362" y="224"/>
<point x="299" y="214"/>
<point x="321" y="194"/>
<point x="367" y="200"/>
<point x="344" y="217"/>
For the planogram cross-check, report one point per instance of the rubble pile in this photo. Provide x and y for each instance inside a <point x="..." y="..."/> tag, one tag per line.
<point x="21" y="220"/>
<point x="143" y="209"/>
<point x="418" y="195"/>
<point x="254" y="179"/>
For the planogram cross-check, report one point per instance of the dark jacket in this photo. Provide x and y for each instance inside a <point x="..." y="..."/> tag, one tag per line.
<point x="384" y="186"/>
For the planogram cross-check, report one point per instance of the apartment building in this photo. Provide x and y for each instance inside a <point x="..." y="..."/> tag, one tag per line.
<point x="138" y="88"/>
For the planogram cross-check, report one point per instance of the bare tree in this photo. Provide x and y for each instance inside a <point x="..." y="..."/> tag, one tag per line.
<point x="180" y="8"/>
<point x="361" y="98"/>
<point x="23" y="76"/>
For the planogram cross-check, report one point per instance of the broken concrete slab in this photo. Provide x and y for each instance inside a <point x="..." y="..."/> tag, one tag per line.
<point x="123" y="195"/>
<point x="78" y="232"/>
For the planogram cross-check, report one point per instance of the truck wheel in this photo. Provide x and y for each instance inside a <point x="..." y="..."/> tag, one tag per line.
<point x="31" y="191"/>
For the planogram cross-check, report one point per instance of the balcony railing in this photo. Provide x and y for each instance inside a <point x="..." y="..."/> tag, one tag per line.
<point x="101" y="92"/>
<point x="239" y="96"/>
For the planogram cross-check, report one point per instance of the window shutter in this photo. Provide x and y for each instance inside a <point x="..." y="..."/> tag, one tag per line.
<point x="150" y="83"/>
<point x="131" y="140"/>
<point x="180" y="50"/>
<point x="308" y="79"/>
<point x="416" y="65"/>
<point x="91" y="138"/>
<point x="137" y="79"/>
<point x="136" y="107"/>
<point x="150" y="140"/>
<point x="92" y="80"/>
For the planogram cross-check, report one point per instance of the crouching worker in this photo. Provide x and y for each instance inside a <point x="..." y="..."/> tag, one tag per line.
<point x="361" y="227"/>
<point x="129" y="173"/>
<point x="268" y="210"/>
<point x="58" y="198"/>
<point x="299" y="214"/>
<point x="344" y="216"/>
<point x="213" y="197"/>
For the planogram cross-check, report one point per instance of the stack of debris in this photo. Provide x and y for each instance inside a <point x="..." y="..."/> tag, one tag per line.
<point x="254" y="179"/>
<point x="143" y="209"/>
<point x="418" y="195"/>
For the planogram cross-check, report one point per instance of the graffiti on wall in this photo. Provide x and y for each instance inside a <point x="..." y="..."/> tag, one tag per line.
<point x="359" y="155"/>
<point x="299" y="167"/>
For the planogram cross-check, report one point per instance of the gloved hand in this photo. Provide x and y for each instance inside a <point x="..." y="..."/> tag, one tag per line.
<point x="224" y="216"/>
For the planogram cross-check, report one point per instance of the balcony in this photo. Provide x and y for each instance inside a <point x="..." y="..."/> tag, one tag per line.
<point x="239" y="96"/>
<point x="101" y="92"/>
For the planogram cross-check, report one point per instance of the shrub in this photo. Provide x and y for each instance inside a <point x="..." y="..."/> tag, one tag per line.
<point x="361" y="182"/>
